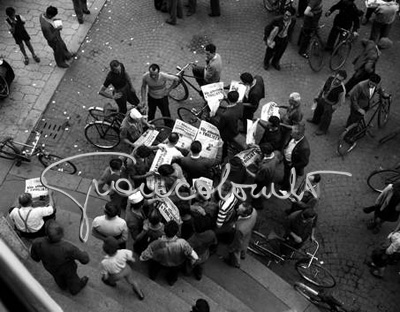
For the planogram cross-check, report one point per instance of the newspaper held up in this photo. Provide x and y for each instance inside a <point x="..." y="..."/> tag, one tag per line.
<point x="239" y="87"/>
<point x="209" y="137"/>
<point x="213" y="93"/>
<point x="147" y="138"/>
<point x="169" y="211"/>
<point x="186" y="132"/>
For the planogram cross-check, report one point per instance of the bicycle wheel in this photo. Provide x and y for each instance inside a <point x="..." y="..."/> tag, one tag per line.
<point x="164" y="126"/>
<point x="348" y="139"/>
<point x="4" y="88"/>
<point x="102" y="134"/>
<point x="271" y="5"/>
<point x="315" y="274"/>
<point x="384" y="110"/>
<point x="339" y="55"/>
<point x="48" y="159"/>
<point x="188" y="116"/>
<point x="316" y="54"/>
<point x="256" y="242"/>
<point x="379" y="179"/>
<point x="308" y="293"/>
<point x="180" y="92"/>
<point x="8" y="150"/>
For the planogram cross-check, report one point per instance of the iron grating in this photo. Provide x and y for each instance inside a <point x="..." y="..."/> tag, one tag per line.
<point x="51" y="129"/>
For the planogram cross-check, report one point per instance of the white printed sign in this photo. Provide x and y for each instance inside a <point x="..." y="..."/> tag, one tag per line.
<point x="186" y="132"/>
<point x="169" y="211"/>
<point x="249" y="156"/>
<point x="35" y="188"/>
<point x="209" y="137"/>
<point x="239" y="87"/>
<point x="213" y="93"/>
<point x="269" y="109"/>
<point x="147" y="138"/>
<point x="162" y="157"/>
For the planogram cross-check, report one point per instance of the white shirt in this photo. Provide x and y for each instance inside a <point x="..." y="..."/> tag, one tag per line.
<point x="289" y="149"/>
<point x="116" y="263"/>
<point x="34" y="220"/>
<point x="172" y="151"/>
<point x="111" y="227"/>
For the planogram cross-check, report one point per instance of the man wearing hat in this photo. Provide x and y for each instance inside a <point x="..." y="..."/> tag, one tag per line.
<point x="58" y="258"/>
<point x="110" y="224"/>
<point x="132" y="127"/>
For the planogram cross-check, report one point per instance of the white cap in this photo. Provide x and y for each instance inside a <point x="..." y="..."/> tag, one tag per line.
<point x="135" y="197"/>
<point x="135" y="114"/>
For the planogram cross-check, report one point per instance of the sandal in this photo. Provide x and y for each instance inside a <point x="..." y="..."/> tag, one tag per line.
<point x="26" y="60"/>
<point x="36" y="58"/>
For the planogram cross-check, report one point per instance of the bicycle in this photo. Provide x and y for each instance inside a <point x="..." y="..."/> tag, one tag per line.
<point x="316" y="50"/>
<point x="103" y="127"/>
<point x="322" y="298"/>
<point x="379" y="179"/>
<point x="277" y="6"/>
<point x="307" y="265"/>
<point x="354" y="132"/>
<point x="181" y="91"/>
<point x="342" y="49"/>
<point x="21" y="152"/>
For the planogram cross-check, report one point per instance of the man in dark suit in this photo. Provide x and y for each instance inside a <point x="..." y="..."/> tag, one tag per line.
<point x="296" y="154"/>
<point x="255" y="91"/>
<point x="360" y="98"/>
<point x="276" y="36"/>
<point x="364" y="64"/>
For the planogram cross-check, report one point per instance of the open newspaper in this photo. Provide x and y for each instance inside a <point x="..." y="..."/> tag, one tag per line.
<point x="267" y="110"/>
<point x="155" y="182"/>
<point x="36" y="188"/>
<point x="147" y="138"/>
<point x="213" y="93"/>
<point x="169" y="211"/>
<point x="186" y="132"/>
<point x="239" y="87"/>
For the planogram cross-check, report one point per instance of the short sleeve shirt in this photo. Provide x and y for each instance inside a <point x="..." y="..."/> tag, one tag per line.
<point x="110" y="227"/>
<point x="116" y="263"/>
<point x="156" y="88"/>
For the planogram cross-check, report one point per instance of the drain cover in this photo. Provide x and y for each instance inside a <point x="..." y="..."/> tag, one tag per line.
<point x="51" y="130"/>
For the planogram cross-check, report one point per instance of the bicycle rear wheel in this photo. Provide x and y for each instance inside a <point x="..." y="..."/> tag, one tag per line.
<point x="315" y="273"/>
<point x="67" y="166"/>
<point x="188" y="116"/>
<point x="4" y="88"/>
<point x="339" y="55"/>
<point x="348" y="139"/>
<point x="164" y="126"/>
<point x="180" y="92"/>
<point x="102" y="134"/>
<point x="379" y="179"/>
<point x="316" y="54"/>
<point x="8" y="150"/>
<point x="384" y="111"/>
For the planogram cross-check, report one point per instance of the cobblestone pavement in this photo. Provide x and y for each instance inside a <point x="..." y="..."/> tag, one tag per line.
<point x="137" y="35"/>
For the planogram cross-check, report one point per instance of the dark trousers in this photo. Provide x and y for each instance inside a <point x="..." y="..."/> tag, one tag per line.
<point x="175" y="9"/>
<point x="301" y="7"/>
<point x="79" y="7"/>
<point x="309" y="26"/>
<point x="68" y="279"/>
<point x="276" y="53"/>
<point x="215" y="8"/>
<point x="248" y="113"/>
<point x="198" y="73"/>
<point x="354" y="117"/>
<point x="162" y="104"/>
<point x="379" y="30"/>
<point x="323" y="115"/>
<point x="127" y="96"/>
<point x="369" y="12"/>
<point x="357" y="77"/>
<point x="333" y="36"/>
<point x="171" y="272"/>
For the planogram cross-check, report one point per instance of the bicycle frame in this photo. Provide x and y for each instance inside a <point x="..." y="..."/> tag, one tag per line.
<point x="182" y="76"/>
<point x="33" y="148"/>
<point x="366" y="125"/>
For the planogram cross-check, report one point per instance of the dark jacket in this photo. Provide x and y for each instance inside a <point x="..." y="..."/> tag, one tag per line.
<point x="256" y="93"/>
<point x="300" y="156"/>
<point x="348" y="15"/>
<point x="278" y="22"/>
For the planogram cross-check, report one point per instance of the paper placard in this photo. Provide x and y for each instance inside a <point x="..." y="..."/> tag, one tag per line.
<point x="249" y="156"/>
<point x="269" y="109"/>
<point x="209" y="137"/>
<point x="169" y="211"/>
<point x="147" y="138"/>
<point x="35" y="188"/>
<point x="239" y="87"/>
<point x="213" y="93"/>
<point x="186" y="132"/>
<point x="57" y="23"/>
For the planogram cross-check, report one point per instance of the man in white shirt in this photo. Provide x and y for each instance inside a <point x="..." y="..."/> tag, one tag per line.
<point x="110" y="224"/>
<point x="30" y="221"/>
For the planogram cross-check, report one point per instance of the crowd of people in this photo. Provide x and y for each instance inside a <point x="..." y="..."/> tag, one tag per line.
<point x="204" y="223"/>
